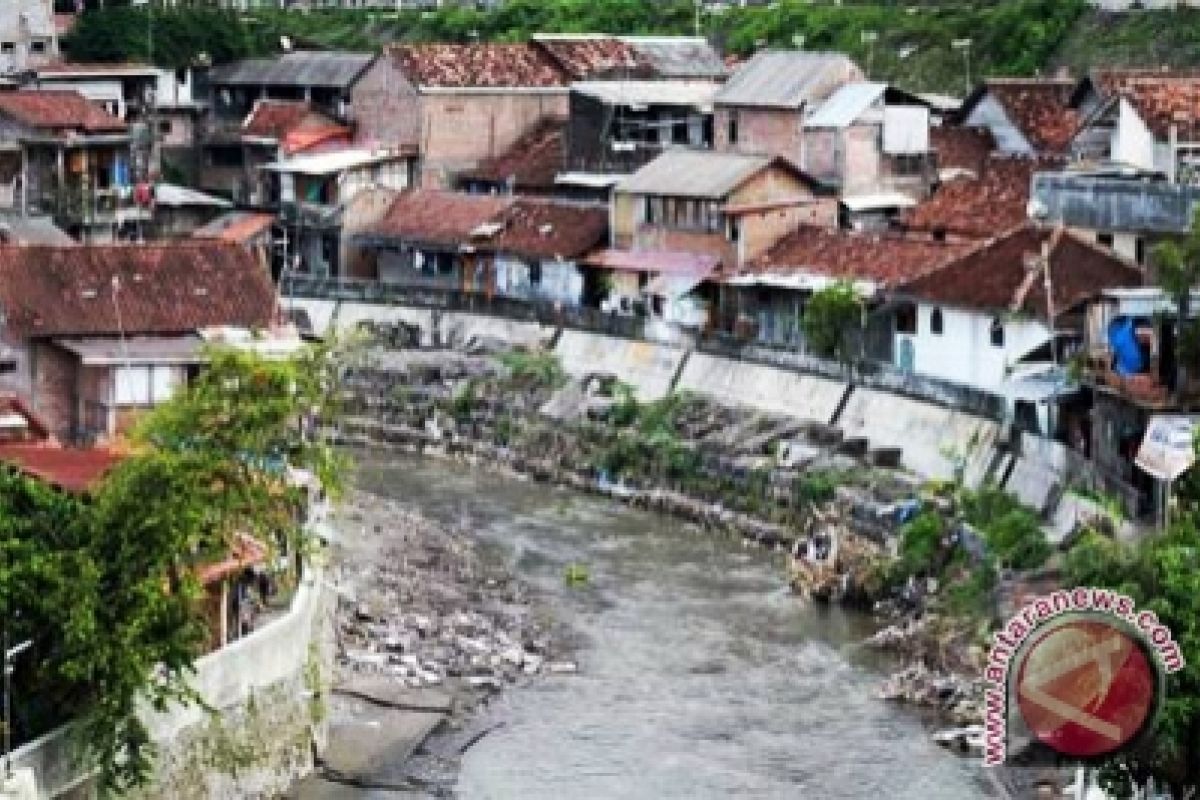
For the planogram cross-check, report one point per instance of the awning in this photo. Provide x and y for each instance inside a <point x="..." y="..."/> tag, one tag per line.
<point x="1040" y="384"/>
<point x="798" y="281"/>
<point x="672" y="286"/>
<point x="666" y="262"/>
<point x="1168" y="447"/>
<point x="135" y="350"/>
<point x="881" y="200"/>
<point x="589" y="180"/>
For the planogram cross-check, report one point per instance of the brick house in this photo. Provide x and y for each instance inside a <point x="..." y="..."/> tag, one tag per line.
<point x="66" y="157"/>
<point x="456" y="104"/>
<point x="104" y="331"/>
<point x="531" y="166"/>
<point x="599" y="57"/>
<point x="761" y="109"/>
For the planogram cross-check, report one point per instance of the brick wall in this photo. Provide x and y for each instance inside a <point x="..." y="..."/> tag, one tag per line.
<point x="769" y="131"/>
<point x="385" y="107"/>
<point x="52" y="393"/>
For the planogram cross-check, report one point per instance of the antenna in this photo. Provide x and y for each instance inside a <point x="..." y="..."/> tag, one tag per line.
<point x="116" y="289"/>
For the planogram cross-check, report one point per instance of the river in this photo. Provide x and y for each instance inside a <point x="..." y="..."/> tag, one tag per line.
<point x="700" y="675"/>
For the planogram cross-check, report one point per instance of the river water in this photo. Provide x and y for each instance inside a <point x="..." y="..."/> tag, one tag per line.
<point x="700" y="675"/>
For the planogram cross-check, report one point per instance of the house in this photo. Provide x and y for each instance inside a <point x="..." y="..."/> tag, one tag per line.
<point x="870" y="140"/>
<point x="1007" y="309"/>
<point x="178" y="211"/>
<point x="63" y="156"/>
<point x="17" y="230"/>
<point x="597" y="56"/>
<point x="976" y="207"/>
<point x="28" y="36"/>
<point x="728" y="205"/>
<point x="312" y="192"/>
<point x="124" y="90"/>
<point x="326" y="80"/>
<point x="521" y="248"/>
<point x="620" y="126"/>
<point x="531" y="166"/>
<point x="762" y="107"/>
<point x="250" y="230"/>
<point x="273" y="130"/>
<point x="766" y="301"/>
<point x="1025" y="116"/>
<point x="28" y="447"/>
<point x="456" y="104"/>
<point x="961" y="151"/>
<point x="102" y="332"/>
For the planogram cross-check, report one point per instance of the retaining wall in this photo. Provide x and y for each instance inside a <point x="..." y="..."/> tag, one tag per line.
<point x="762" y="387"/>
<point x="648" y="367"/>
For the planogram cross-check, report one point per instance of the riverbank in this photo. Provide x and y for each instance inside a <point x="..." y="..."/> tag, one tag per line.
<point x="428" y="633"/>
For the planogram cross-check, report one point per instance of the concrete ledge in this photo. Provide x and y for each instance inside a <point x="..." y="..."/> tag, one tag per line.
<point x="761" y="387"/>
<point x="648" y="368"/>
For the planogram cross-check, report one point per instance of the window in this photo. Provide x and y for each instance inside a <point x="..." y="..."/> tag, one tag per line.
<point x="735" y="229"/>
<point x="647" y="209"/>
<point x="997" y="333"/>
<point x="535" y="273"/>
<point x="164" y="127"/>
<point x="37" y="46"/>
<point x="1139" y="250"/>
<point x="1104" y="240"/>
<point x="936" y="324"/>
<point x="732" y="128"/>
<point x="145" y="385"/>
<point x="906" y="319"/>
<point x="8" y="48"/>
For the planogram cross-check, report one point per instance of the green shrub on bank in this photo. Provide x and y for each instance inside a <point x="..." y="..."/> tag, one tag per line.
<point x="533" y="369"/>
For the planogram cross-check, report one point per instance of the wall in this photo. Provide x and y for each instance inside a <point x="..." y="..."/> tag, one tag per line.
<point x="648" y="368"/>
<point x="991" y="115"/>
<point x="766" y="131"/>
<point x="53" y="374"/>
<point x="963" y="353"/>
<point x="1133" y="143"/>
<point x="368" y="207"/>
<point x="460" y="129"/>
<point x="21" y="22"/>
<point x="385" y="107"/>
<point x="743" y="383"/>
<point x="760" y="230"/>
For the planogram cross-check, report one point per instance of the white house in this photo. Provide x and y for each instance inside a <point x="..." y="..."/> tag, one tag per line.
<point x="27" y="34"/>
<point x="1008" y="309"/>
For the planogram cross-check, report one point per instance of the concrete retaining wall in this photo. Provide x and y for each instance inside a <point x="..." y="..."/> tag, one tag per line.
<point x="765" y="388"/>
<point x="931" y="437"/>
<point x="456" y="327"/>
<point x="648" y="368"/>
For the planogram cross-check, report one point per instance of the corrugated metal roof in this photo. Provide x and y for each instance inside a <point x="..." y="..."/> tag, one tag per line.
<point x="301" y="68"/>
<point x="32" y="231"/>
<point x="787" y="79"/>
<point x="845" y="105"/>
<point x="168" y="194"/>
<point x="676" y="93"/>
<point x="332" y="162"/>
<point x="693" y="173"/>
<point x="678" y="56"/>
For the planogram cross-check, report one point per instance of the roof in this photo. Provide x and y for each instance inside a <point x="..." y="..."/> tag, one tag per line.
<point x="880" y="260"/>
<point x="845" y="105"/>
<point x="235" y="226"/>
<point x="169" y="194"/>
<point x="1160" y="99"/>
<point x="533" y="161"/>
<point x="17" y="230"/>
<point x="19" y="422"/>
<point x="435" y="217"/>
<point x="245" y="551"/>
<point x="979" y="207"/>
<point x="545" y="229"/>
<point x="877" y="201"/>
<point x="108" y="350"/>
<point x="1038" y="107"/>
<point x="162" y="289"/>
<point x="82" y="70"/>
<point x="663" y="262"/>
<point x="590" y="56"/>
<point x="69" y="469"/>
<point x="338" y="70"/>
<point x="480" y="65"/>
<point x="275" y="119"/>
<point x="679" y="56"/>
<point x="961" y="147"/>
<point x="333" y="162"/>
<point x="995" y="275"/>
<point x="788" y="79"/>
<point x="698" y="94"/>
<point x="58" y="109"/>
<point x="700" y="173"/>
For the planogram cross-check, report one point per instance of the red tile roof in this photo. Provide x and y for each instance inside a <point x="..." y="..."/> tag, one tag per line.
<point x="236" y="226"/>
<point x="71" y="470"/>
<point x="980" y="207"/>
<point x="1039" y="109"/>
<point x="440" y="218"/>
<point x="163" y="289"/>
<point x="593" y="57"/>
<point x="294" y="124"/>
<point x="1160" y="99"/>
<point x="543" y="229"/>
<point x="995" y="275"/>
<point x="532" y="162"/>
<point x="58" y="110"/>
<point x="245" y="551"/>
<point x="34" y="427"/>
<point x="479" y="65"/>
<point x="883" y="259"/>
<point x="962" y="147"/>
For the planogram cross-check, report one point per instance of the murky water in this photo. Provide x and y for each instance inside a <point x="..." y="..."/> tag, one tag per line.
<point x="700" y="675"/>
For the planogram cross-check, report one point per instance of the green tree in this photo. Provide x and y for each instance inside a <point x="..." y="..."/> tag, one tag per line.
<point x="830" y="318"/>
<point x="1178" y="266"/>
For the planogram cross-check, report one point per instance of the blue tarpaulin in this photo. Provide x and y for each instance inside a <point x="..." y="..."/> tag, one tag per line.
<point x="1127" y="354"/>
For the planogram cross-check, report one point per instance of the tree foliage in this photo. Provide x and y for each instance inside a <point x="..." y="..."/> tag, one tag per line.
<point x="830" y="317"/>
<point x="106" y="589"/>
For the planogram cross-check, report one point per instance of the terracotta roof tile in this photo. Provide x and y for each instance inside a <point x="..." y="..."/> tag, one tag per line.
<point x="1161" y="99"/>
<point x="883" y="259"/>
<point x="479" y="65"/>
<point x="69" y="469"/>
<point x="58" y="110"/>
<point x="532" y="162"/>
<point x="163" y="288"/>
<point x="1039" y="109"/>
<point x="546" y="229"/>
<point x="994" y="275"/>
<point x="980" y="207"/>
<point x="962" y="147"/>
<point x="296" y="125"/>
<point x="591" y="57"/>
<point x="235" y="226"/>
<point x="435" y="217"/>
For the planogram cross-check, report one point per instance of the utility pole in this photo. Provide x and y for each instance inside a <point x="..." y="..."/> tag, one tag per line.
<point x="869" y="38"/>
<point x="965" y="46"/>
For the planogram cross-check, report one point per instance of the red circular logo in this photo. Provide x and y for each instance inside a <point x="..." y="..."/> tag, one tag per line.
<point x="1086" y="687"/>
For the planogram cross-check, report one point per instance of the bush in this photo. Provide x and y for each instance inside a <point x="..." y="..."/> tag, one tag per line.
<point x="815" y="487"/>
<point x="829" y="316"/>
<point x="920" y="544"/>
<point x="533" y="369"/>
